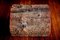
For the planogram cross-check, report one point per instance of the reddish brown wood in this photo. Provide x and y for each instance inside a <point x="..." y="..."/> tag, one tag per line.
<point x="55" y="19"/>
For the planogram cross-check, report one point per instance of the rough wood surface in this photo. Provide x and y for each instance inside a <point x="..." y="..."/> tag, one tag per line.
<point x="30" y="20"/>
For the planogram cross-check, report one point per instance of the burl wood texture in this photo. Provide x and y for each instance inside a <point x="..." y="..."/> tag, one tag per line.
<point x="36" y="22"/>
<point x="55" y="25"/>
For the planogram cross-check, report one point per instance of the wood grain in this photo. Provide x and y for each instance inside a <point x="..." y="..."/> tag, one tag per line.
<point x="55" y="25"/>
